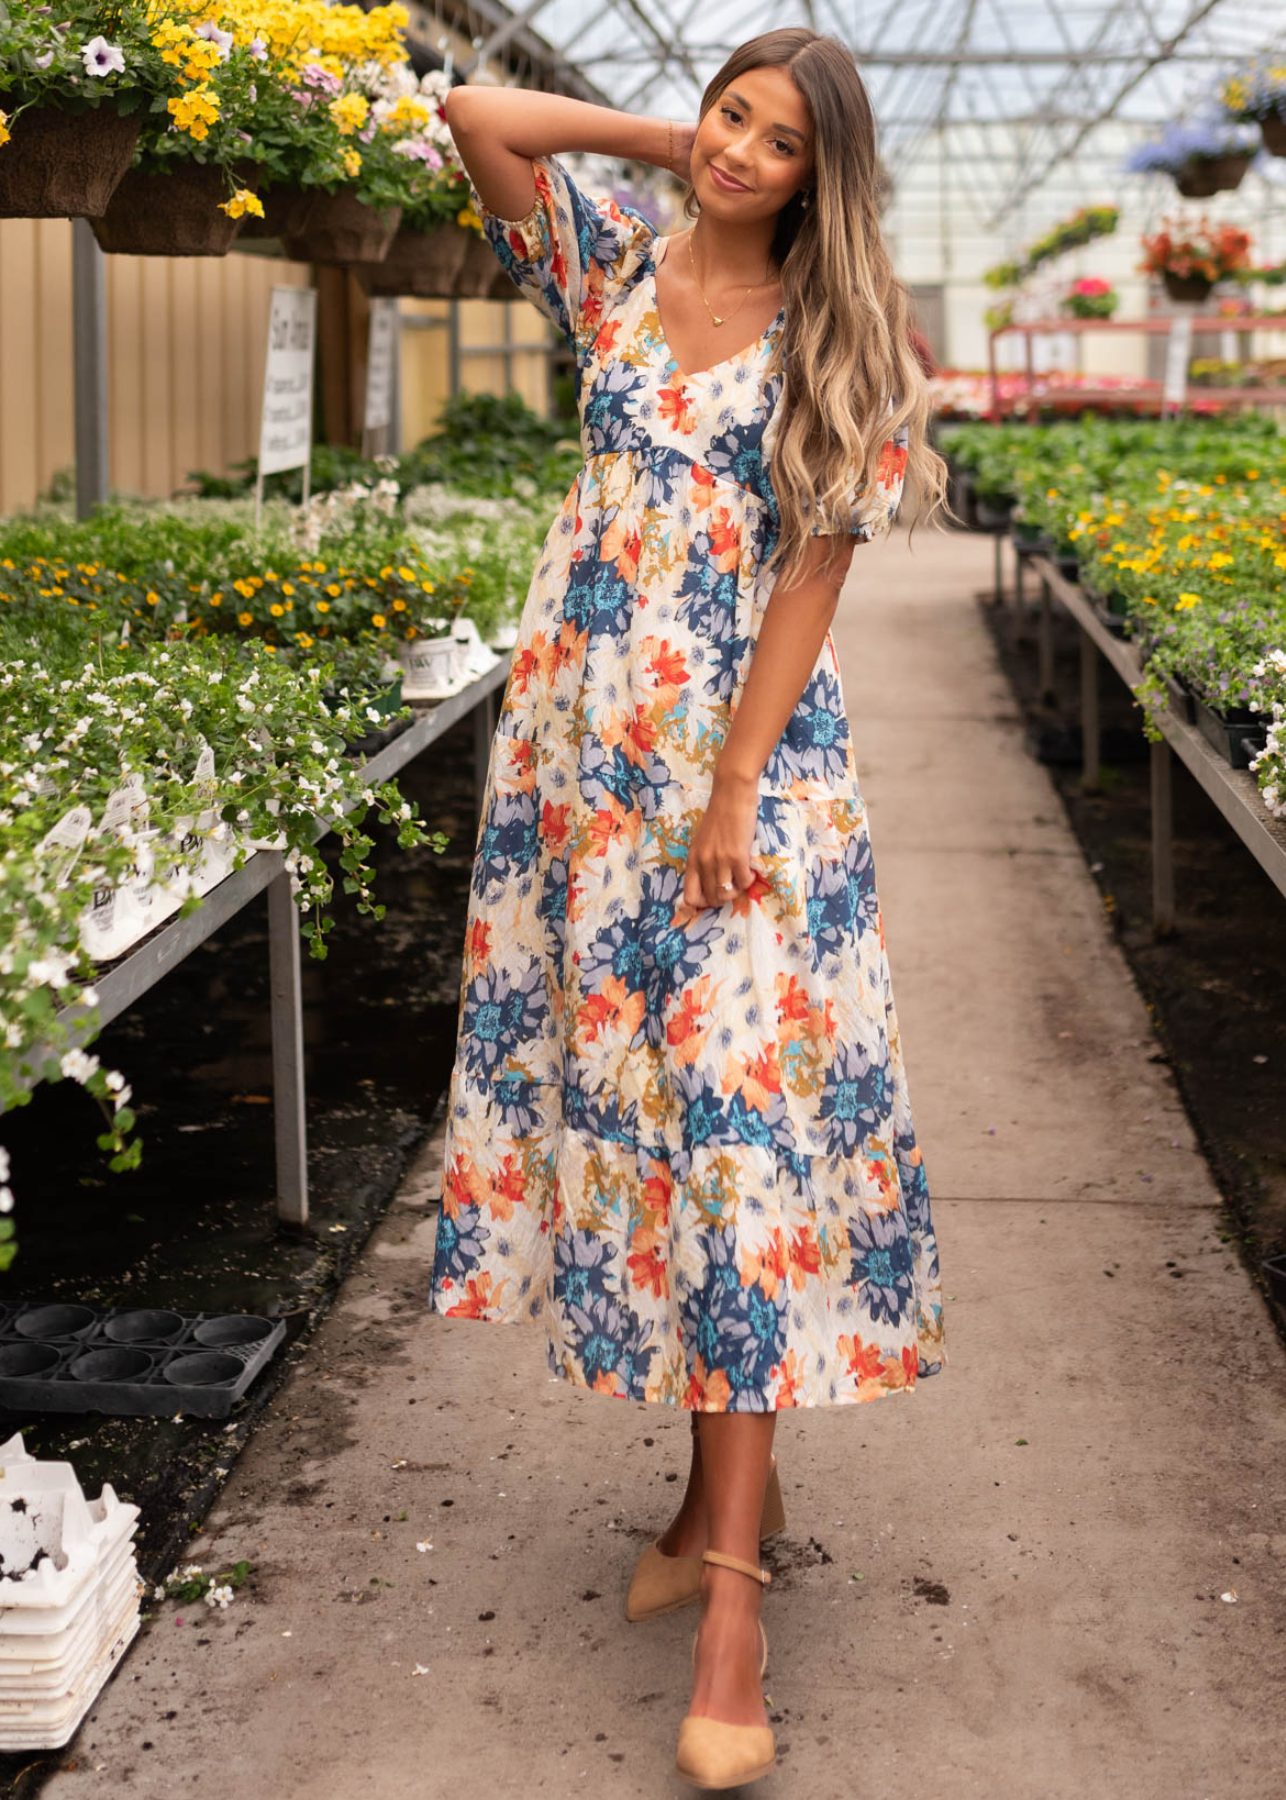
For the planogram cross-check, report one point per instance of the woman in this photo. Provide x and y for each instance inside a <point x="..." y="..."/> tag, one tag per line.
<point x="679" y="1131"/>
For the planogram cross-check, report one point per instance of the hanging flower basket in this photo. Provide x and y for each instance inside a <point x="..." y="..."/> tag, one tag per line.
<point x="1186" y="287"/>
<point x="339" y="228"/>
<point x="477" y="270"/>
<point x="63" y="165"/>
<point x="1274" y="130"/>
<point x="175" y="214"/>
<point x="1229" y="171"/>
<point x="423" y="265"/>
<point x="1196" y="180"/>
<point x="284" y="211"/>
<point x="502" y="287"/>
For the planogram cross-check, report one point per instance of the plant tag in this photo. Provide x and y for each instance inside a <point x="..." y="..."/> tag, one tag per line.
<point x="204" y="777"/>
<point x="126" y="805"/>
<point x="66" y="840"/>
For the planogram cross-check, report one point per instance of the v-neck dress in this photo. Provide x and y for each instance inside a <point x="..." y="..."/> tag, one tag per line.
<point x="679" y="1139"/>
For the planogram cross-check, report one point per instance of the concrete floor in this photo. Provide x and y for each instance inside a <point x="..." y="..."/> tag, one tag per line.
<point x="1043" y="1531"/>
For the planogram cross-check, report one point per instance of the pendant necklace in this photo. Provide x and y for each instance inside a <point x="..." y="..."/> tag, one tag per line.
<point x="715" y="318"/>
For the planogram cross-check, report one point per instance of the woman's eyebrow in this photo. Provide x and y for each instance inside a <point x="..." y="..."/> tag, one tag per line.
<point x="742" y="101"/>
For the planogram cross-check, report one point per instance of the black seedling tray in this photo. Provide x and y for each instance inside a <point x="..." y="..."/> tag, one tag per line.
<point x="60" y="1356"/>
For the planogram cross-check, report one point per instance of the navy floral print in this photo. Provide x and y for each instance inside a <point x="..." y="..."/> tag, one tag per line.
<point x="680" y="1139"/>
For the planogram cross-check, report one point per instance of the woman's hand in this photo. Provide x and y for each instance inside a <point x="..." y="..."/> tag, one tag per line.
<point x="718" y="867"/>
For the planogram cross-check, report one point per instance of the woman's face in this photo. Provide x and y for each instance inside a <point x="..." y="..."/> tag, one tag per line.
<point x="758" y="132"/>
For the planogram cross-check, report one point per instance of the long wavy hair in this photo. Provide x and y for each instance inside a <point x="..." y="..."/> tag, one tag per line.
<point x="852" y="378"/>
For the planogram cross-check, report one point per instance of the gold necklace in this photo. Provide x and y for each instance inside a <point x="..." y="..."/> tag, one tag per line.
<point x="714" y="317"/>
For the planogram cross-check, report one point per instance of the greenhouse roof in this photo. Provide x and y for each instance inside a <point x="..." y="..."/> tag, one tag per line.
<point x="1018" y="95"/>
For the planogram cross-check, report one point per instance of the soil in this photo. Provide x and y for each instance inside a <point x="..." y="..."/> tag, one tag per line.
<point x="1216" y="988"/>
<point x="194" y="1228"/>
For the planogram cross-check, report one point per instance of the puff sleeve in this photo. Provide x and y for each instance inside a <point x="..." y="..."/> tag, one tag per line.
<point x="871" y="513"/>
<point x="570" y="252"/>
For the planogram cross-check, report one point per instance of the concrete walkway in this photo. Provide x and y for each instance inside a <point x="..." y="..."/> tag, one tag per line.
<point x="1044" y="1531"/>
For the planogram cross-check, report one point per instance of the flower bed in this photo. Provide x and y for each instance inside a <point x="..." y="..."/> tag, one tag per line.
<point x="178" y="691"/>
<point x="1181" y="528"/>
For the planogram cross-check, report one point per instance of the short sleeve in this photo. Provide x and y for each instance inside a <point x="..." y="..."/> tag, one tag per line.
<point x="872" y="513"/>
<point x="570" y="252"/>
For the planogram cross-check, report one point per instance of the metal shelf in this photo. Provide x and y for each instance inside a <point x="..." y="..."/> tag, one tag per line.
<point x="1234" y="791"/>
<point x="125" y="981"/>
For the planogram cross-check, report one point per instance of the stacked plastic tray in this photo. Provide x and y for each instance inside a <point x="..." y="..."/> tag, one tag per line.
<point x="69" y="1597"/>
<point x="60" y="1356"/>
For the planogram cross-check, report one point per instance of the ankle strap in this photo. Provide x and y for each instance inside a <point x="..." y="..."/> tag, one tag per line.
<point x="755" y="1573"/>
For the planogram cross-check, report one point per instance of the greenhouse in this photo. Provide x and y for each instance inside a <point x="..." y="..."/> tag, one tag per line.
<point x="759" y="860"/>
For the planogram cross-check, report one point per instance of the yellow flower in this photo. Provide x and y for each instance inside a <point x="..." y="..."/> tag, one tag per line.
<point x="1186" y="601"/>
<point x="427" y="586"/>
<point x="323" y="606"/>
<point x="216" y="599"/>
<point x="244" y="588"/>
<point x="286" y="588"/>
<point x="195" y="112"/>
<point x="244" y="618"/>
<point x="153" y="599"/>
<point x="405" y="574"/>
<point x="378" y="621"/>
<point x="334" y="590"/>
<point x="1220" y="560"/>
<point x="350" y="112"/>
<point x="302" y="638"/>
<point x="5" y="133"/>
<point x="276" y="609"/>
<point x="352" y="164"/>
<point x="399" y="606"/>
<point x="241" y="203"/>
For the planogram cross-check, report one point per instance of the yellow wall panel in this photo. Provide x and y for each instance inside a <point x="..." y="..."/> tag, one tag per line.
<point x="19" y="388"/>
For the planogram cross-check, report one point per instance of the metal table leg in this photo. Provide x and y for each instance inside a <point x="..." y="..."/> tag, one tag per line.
<point x="1089" y="712"/>
<point x="287" y="1053"/>
<point x="998" y="576"/>
<point x="484" y="727"/>
<point x="1162" y="840"/>
<point x="1046" y="645"/>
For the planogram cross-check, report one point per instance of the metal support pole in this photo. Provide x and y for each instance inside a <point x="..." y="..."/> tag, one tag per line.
<point x="1089" y="712"/>
<point x="998" y="579"/>
<point x="287" y="1053"/>
<point x="1162" y="766"/>
<point x="393" y="437"/>
<point x="1046" y="645"/>
<point x="484" y="730"/>
<point x="1020" y="569"/>
<point x="89" y="363"/>
<point x="453" y="347"/>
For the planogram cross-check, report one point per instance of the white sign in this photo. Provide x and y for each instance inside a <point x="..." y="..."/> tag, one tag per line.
<point x="1178" y="350"/>
<point x="380" y="365"/>
<point x="285" y="435"/>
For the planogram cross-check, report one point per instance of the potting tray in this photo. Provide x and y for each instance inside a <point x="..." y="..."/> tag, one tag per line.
<point x="59" y="1356"/>
<point x="1238" y="736"/>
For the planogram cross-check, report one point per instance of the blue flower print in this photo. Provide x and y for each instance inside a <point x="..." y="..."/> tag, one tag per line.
<point x="841" y="899"/>
<point x="461" y="1243"/>
<point x="608" y="1338"/>
<point x="508" y="841"/>
<point x="735" y="1328"/>
<point x="607" y="413"/>
<point x="814" y="745"/>
<point x="883" y="1264"/>
<point x="502" y="1014"/>
<point x="598" y="599"/>
<point x="856" y="1097"/>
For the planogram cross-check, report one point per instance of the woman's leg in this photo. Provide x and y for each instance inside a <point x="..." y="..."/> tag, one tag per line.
<point x="735" y="1450"/>
<point x="688" y="1534"/>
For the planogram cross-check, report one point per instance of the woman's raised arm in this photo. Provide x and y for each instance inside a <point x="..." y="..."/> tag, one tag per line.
<point x="498" y="130"/>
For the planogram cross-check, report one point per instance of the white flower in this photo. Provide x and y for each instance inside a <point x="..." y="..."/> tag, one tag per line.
<point x="4" y="1163"/>
<point x="218" y="1596"/>
<point x="158" y="1593"/>
<point x="6" y="1200"/>
<point x="424" y="1546"/>
<point x="101" y="58"/>
<point x="77" y="1066"/>
<point x="258" y="49"/>
<point x="223" y="39"/>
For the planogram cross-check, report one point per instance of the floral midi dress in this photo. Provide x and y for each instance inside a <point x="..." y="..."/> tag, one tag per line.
<point x="678" y="1138"/>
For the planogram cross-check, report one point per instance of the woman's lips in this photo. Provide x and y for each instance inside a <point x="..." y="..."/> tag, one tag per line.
<point x="726" y="181"/>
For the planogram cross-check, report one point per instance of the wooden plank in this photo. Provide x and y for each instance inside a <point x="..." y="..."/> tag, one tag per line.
<point x="157" y="449"/>
<point x="56" y="420"/>
<point x="184" y="278"/>
<point x="125" y="346"/>
<point x="19" y="439"/>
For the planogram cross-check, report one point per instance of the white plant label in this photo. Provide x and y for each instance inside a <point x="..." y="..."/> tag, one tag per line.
<point x="380" y="361"/>
<point x="204" y="778"/>
<point x="67" y="838"/>
<point x="286" y="428"/>
<point x="1178" y="351"/>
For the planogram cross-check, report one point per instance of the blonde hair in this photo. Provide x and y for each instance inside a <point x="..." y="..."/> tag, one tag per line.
<point x="852" y="378"/>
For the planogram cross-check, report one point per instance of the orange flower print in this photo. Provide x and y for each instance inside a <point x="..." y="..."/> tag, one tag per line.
<point x="676" y="408"/>
<point x="725" y="540"/>
<point x="615" y="1008"/>
<point x="757" y="1076"/>
<point x="788" y="1379"/>
<point x="664" y="669"/>
<point x="479" y="941"/>
<point x="686" y="1032"/>
<point x="767" y="1268"/>
<point x="481" y="1296"/>
<point x="506" y="1189"/>
<point x="648" y="1271"/>
<point x="805" y="1257"/>
<point x="892" y="464"/>
<point x="863" y="1359"/>
<point x="701" y="488"/>
<point x="707" y="1392"/>
<point x="555" y="827"/>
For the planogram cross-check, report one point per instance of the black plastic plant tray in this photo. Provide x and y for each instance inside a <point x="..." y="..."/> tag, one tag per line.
<point x="60" y="1356"/>
<point x="1236" y="735"/>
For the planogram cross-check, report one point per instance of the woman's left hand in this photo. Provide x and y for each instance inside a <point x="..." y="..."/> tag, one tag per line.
<point x="718" y="867"/>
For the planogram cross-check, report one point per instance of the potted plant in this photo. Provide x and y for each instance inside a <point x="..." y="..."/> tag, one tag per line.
<point x="1190" y="257"/>
<point x="1202" y="158"/>
<point x="1256" y="95"/>
<point x="74" y="86"/>
<point x="430" y="247"/>
<point x="1090" y="297"/>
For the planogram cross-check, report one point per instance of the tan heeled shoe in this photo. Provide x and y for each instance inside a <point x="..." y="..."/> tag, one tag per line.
<point x="662" y="1584"/>
<point x="713" y="1753"/>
